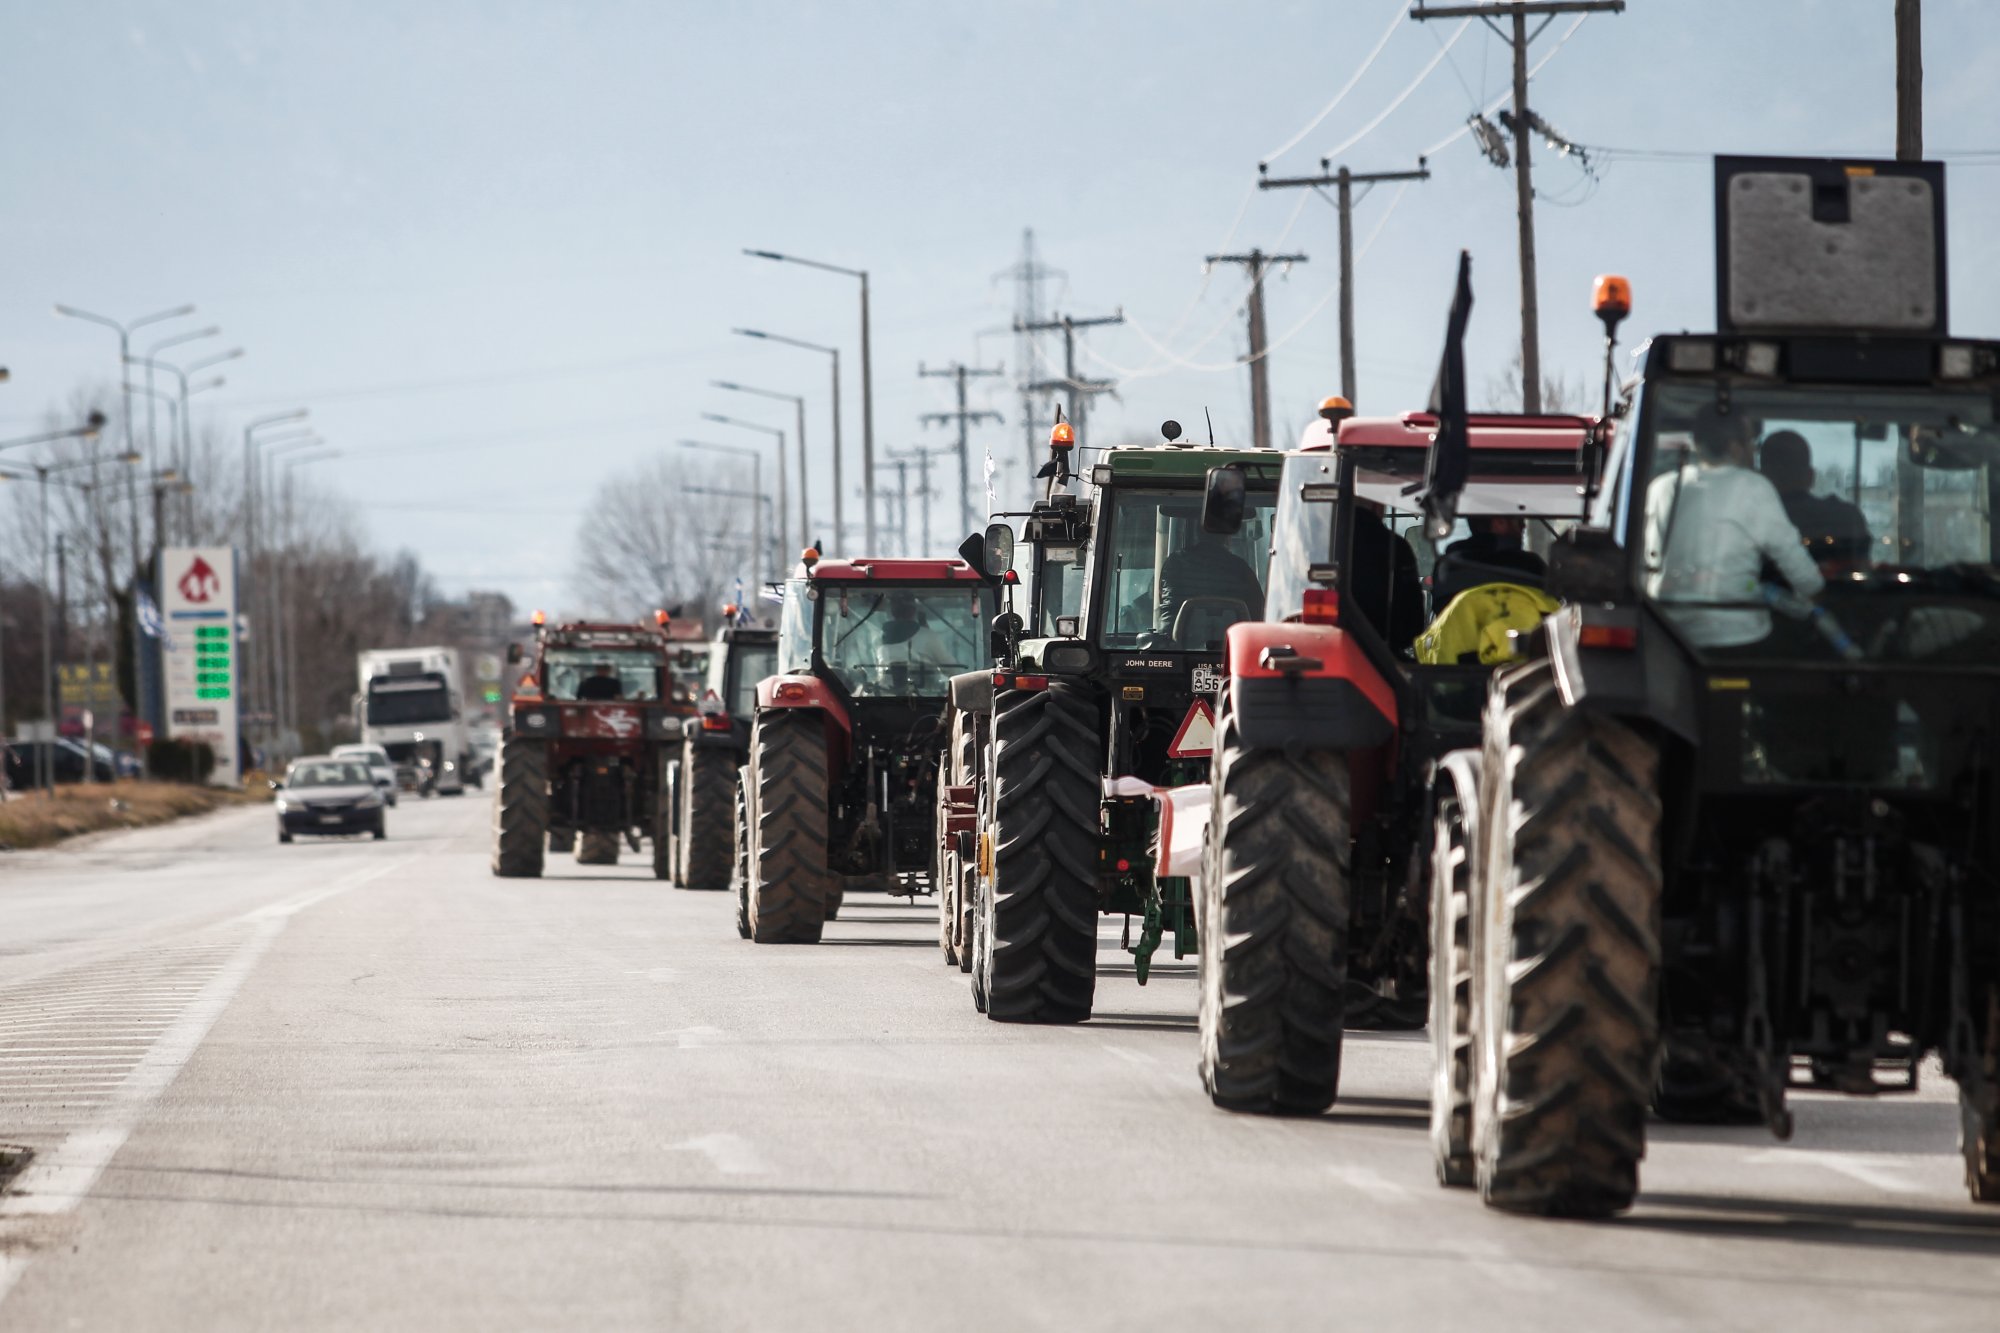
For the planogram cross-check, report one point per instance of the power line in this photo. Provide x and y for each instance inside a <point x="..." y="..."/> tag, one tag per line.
<point x="958" y="372"/>
<point x="1395" y="17"/>
<point x="1400" y="98"/>
<point x="1260" y="379"/>
<point x="1079" y="388"/>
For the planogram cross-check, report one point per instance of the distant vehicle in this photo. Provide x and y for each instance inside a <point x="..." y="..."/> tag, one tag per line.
<point x="410" y="705"/>
<point x="324" y="794"/>
<point x="72" y="763"/>
<point x="380" y="766"/>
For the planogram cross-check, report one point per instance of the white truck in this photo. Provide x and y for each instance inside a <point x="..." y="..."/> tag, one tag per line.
<point x="411" y="705"/>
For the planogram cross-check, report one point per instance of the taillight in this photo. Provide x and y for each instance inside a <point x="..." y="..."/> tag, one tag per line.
<point x="790" y="689"/>
<point x="1321" y="607"/>
<point x="1030" y="682"/>
<point x="715" y="722"/>
<point x="1622" y="637"/>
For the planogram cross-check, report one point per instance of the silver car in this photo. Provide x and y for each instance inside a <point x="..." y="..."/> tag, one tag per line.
<point x="381" y="768"/>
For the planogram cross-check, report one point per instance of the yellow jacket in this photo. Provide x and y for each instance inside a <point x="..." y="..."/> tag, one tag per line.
<point x="1480" y="624"/>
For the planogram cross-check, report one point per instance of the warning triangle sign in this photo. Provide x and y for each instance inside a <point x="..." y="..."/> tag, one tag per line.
<point x="1195" y="738"/>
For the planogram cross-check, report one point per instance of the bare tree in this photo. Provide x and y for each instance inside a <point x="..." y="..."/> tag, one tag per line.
<point x="650" y="542"/>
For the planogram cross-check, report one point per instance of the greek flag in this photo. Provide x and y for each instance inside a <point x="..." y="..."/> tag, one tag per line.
<point x="149" y="616"/>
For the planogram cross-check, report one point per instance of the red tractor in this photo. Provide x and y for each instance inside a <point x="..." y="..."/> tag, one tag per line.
<point x="592" y="724"/>
<point x="841" y="785"/>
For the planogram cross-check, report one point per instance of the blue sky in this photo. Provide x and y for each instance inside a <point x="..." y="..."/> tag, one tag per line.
<point x="495" y="247"/>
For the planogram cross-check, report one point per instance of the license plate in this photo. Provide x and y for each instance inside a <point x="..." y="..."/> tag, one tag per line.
<point x="331" y="819"/>
<point x="1207" y="680"/>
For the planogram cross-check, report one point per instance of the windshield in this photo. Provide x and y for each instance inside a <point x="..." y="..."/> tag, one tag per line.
<point x="407" y="701"/>
<point x="900" y="642"/>
<point x="1059" y="585"/>
<point x="328" y="773"/>
<point x="748" y="663"/>
<point x="1834" y="508"/>
<point x="373" y="756"/>
<point x="602" y="673"/>
<point x="1171" y="585"/>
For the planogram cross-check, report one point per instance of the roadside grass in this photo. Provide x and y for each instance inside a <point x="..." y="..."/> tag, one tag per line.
<point x="32" y="820"/>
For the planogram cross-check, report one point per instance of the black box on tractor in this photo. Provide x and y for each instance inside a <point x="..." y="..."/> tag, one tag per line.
<point x="593" y="720"/>
<point x="1731" y="830"/>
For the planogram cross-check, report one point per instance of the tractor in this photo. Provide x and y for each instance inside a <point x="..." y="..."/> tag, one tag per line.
<point x="1098" y="704"/>
<point x="701" y="784"/>
<point x="1366" y="671"/>
<point x="839" y="790"/>
<point x="1731" y="827"/>
<point x="590" y="728"/>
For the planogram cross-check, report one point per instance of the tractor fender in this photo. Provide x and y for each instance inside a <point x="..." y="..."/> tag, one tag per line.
<point x="1647" y="676"/>
<point x="810" y="692"/>
<point x="1310" y="686"/>
<point x="972" y="691"/>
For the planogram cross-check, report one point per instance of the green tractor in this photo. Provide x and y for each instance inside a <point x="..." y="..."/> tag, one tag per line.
<point x="1099" y="709"/>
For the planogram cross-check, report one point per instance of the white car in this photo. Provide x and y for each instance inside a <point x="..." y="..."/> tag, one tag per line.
<point x="381" y="769"/>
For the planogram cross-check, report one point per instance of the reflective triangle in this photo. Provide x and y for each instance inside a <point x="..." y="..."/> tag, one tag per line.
<point x="1196" y="737"/>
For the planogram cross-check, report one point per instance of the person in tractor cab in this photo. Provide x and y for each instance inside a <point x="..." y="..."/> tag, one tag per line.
<point x="1711" y="524"/>
<point x="602" y="683"/>
<point x="1207" y="571"/>
<point x="1834" y="531"/>
<point x="910" y="630"/>
<point x="1384" y="579"/>
<point x="1492" y="554"/>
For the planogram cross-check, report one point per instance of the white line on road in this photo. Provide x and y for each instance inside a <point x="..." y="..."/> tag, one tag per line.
<point x="731" y="1154"/>
<point x="1884" y="1173"/>
<point x="60" y="1180"/>
<point x="1370" y="1182"/>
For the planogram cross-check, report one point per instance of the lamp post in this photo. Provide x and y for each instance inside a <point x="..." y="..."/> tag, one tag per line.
<point x="149" y="361"/>
<point x="867" y="381"/>
<point x="281" y="620"/>
<point x="799" y="403"/>
<point x="184" y="447"/>
<point x="250" y="487"/>
<point x="777" y="439"/>
<point x="761" y="551"/>
<point x="839" y="527"/>
<point x="89" y="430"/>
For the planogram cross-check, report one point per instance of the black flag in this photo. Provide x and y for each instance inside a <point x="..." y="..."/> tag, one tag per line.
<point x="1445" y="469"/>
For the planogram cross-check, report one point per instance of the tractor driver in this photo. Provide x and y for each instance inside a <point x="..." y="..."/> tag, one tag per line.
<point x="602" y="683"/>
<point x="1207" y="570"/>
<point x="1710" y="525"/>
<point x="909" y="629"/>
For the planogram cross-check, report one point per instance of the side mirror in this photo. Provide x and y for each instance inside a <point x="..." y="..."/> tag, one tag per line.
<point x="1586" y="566"/>
<point x="1223" y="501"/>
<point x="1006" y="632"/>
<point x="276" y="786"/>
<point x="513" y="653"/>
<point x="999" y="549"/>
<point x="973" y="552"/>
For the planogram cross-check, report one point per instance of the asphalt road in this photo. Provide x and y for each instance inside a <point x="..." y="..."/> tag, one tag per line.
<point x="361" y="1084"/>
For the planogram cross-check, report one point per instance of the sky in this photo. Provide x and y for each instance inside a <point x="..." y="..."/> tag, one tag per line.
<point x="495" y="249"/>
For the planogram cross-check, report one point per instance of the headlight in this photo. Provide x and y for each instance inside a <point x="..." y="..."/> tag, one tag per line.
<point x="369" y="803"/>
<point x="282" y="807"/>
<point x="450" y="767"/>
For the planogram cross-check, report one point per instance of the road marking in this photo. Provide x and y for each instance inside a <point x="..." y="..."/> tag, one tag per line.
<point x="1370" y="1182"/>
<point x="1868" y="1170"/>
<point x="652" y="973"/>
<point x="1128" y="1055"/>
<point x="57" y="1181"/>
<point x="693" y="1038"/>
<point x="731" y="1154"/>
<point x="1493" y="1262"/>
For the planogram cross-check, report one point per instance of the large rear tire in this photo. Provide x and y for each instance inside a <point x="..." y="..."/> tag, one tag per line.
<point x="960" y="761"/>
<point x="707" y="800"/>
<point x="789" y="883"/>
<point x="1273" y="903"/>
<point x="1568" y="953"/>
<point x="1979" y="1098"/>
<point x="1451" y="988"/>
<point x="597" y="848"/>
<point x="1041" y="906"/>
<point x="521" y="815"/>
<point x="563" y="841"/>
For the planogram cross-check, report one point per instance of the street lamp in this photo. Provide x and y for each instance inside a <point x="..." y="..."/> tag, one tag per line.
<point x="799" y="403"/>
<point x="778" y="441"/>
<point x="839" y="527"/>
<point x="285" y="648"/>
<point x="148" y="361"/>
<point x="757" y="545"/>
<point x="184" y="447"/>
<point x="867" y="382"/>
<point x="250" y="443"/>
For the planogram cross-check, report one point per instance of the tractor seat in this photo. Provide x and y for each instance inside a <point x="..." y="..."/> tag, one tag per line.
<point x="1201" y="621"/>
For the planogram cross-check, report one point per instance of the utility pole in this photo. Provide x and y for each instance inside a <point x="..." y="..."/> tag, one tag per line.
<point x="1909" y="80"/>
<point x="1520" y="39"/>
<point x="923" y="458"/>
<point x="1260" y="372"/>
<point x="1079" y="388"/>
<point x="1343" y="182"/>
<point x="1028" y="277"/>
<point x="964" y="417"/>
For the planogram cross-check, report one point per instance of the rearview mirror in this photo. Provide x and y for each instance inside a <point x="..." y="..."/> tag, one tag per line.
<point x="999" y="549"/>
<point x="1223" y="501"/>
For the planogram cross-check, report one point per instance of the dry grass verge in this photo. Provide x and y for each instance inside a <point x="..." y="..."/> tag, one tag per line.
<point x="32" y="820"/>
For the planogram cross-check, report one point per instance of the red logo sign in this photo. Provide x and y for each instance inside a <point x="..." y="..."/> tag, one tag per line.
<point x="200" y="582"/>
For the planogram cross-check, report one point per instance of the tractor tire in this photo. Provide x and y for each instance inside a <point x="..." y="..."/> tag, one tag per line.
<point x="521" y="815"/>
<point x="1979" y="1140"/>
<point x="1566" y="1015"/>
<point x="597" y="849"/>
<point x="836" y="894"/>
<point x="789" y="883"/>
<point x="563" y="841"/>
<point x="960" y="761"/>
<point x="1040" y="964"/>
<point x="665" y="845"/>
<point x="1451" y="989"/>
<point x="1273" y="903"/>
<point x="706" y="803"/>
<point x="739" y="875"/>
<point x="967" y="879"/>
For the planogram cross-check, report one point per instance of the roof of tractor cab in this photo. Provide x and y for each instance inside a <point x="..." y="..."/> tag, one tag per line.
<point x="1175" y="460"/>
<point x="861" y="568"/>
<point x="601" y="634"/>
<point x="1548" y="432"/>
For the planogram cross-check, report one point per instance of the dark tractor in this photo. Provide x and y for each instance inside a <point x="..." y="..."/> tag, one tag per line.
<point x="699" y="847"/>
<point x="840" y="789"/>
<point x="1732" y="827"/>
<point x="1339" y="711"/>
<point x="1100" y="709"/>
<point x="583" y="758"/>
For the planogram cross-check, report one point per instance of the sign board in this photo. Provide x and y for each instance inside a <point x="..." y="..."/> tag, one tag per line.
<point x="1196" y="737"/>
<point x="87" y="685"/>
<point x="199" y="651"/>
